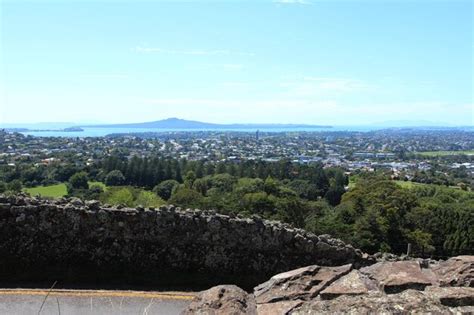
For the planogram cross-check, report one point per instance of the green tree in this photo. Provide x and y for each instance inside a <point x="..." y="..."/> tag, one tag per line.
<point x="166" y="188"/>
<point x="79" y="181"/>
<point x="185" y="197"/>
<point x="249" y="185"/>
<point x="223" y="182"/>
<point x="421" y="241"/>
<point x="259" y="203"/>
<point x="115" y="178"/>
<point x="271" y="185"/>
<point x="177" y="172"/>
<point x="334" y="195"/>
<point x="200" y="185"/>
<point x="304" y="189"/>
<point x="221" y="168"/>
<point x="189" y="179"/>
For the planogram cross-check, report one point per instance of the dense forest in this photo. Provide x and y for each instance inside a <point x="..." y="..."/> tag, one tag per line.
<point x="374" y="214"/>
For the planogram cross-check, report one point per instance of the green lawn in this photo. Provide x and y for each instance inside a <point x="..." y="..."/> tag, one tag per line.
<point x="444" y="153"/>
<point x="401" y="183"/>
<point x="408" y="184"/>
<point x="55" y="191"/>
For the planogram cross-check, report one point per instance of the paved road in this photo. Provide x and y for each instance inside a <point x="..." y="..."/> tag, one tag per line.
<point x="85" y="302"/>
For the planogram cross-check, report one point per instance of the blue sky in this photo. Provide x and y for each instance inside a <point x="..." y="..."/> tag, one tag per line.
<point x="289" y="61"/>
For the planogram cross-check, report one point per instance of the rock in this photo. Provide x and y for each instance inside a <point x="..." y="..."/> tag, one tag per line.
<point x="407" y="302"/>
<point x="76" y="202"/>
<point x="338" y="290"/>
<point x="303" y="283"/>
<point x="93" y="204"/>
<point x="394" y="277"/>
<point x="20" y="218"/>
<point x="456" y="271"/>
<point x="354" y="283"/>
<point x="223" y="300"/>
<point x="453" y="296"/>
<point x="282" y="307"/>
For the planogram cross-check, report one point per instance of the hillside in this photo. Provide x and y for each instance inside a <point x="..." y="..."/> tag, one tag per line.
<point x="176" y="123"/>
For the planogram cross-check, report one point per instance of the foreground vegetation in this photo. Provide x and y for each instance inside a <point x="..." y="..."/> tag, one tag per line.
<point x="374" y="214"/>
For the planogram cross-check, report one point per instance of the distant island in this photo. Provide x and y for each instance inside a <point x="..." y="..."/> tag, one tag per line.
<point x="176" y="123"/>
<point x="72" y="129"/>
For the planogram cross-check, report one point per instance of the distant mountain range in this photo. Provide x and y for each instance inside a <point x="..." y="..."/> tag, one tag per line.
<point x="176" y="123"/>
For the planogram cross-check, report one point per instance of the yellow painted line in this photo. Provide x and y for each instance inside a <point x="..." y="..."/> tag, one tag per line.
<point x="101" y="293"/>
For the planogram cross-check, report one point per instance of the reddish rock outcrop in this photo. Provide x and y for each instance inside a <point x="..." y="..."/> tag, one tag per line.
<point x="456" y="271"/>
<point x="300" y="284"/>
<point x="355" y="283"/>
<point x="453" y="296"/>
<point x="384" y="288"/>
<point x="406" y="302"/>
<point x="394" y="277"/>
<point x="223" y="300"/>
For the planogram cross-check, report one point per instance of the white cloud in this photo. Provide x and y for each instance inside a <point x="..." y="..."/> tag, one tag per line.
<point x="196" y="52"/>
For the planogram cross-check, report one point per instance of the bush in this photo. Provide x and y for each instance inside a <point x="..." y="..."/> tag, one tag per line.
<point x="3" y="187"/>
<point x="119" y="196"/>
<point x="148" y="199"/>
<point x="186" y="197"/>
<point x="93" y="192"/>
<point x="15" y="185"/>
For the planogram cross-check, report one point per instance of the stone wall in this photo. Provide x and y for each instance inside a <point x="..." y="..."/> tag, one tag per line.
<point x="68" y="238"/>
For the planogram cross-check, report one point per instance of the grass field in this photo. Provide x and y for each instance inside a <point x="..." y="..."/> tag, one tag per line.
<point x="408" y="184"/>
<point x="55" y="191"/>
<point x="401" y="183"/>
<point x="445" y="153"/>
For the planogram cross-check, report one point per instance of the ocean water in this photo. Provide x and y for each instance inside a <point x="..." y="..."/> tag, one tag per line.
<point x="100" y="132"/>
